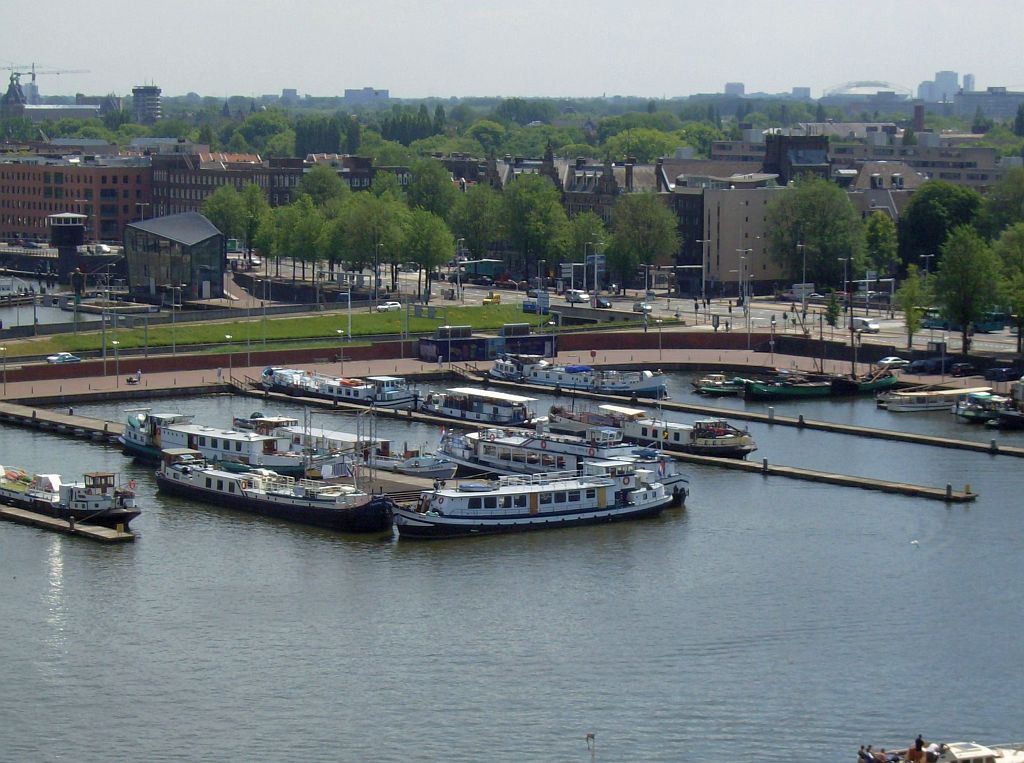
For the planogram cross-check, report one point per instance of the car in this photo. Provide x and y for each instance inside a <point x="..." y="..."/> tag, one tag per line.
<point x="389" y="307"/>
<point x="642" y="307"/>
<point x="602" y="303"/>
<point x="962" y="369"/>
<point x="63" y="357"/>
<point x="482" y="280"/>
<point x="531" y="293"/>
<point x="892" y="363"/>
<point x="577" y="296"/>
<point x="1003" y="373"/>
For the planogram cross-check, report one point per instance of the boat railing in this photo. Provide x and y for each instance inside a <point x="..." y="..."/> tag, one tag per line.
<point x="541" y="478"/>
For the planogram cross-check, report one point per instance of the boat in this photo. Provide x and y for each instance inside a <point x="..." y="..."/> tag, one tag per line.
<point x="481" y="405"/>
<point x="384" y="391"/>
<point x="534" y="369"/>
<point x="864" y="384"/>
<point x="142" y="438"/>
<point x="918" y="399"/>
<point x="980" y="407"/>
<point x="719" y="385"/>
<point x="344" y="508"/>
<point x="97" y="500"/>
<point x="961" y="752"/>
<point x="787" y="386"/>
<point x="507" y="451"/>
<point x="1012" y="416"/>
<point x="604" y="491"/>
<point x="705" y="437"/>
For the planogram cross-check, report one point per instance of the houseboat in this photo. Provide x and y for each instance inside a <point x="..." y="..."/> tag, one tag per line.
<point x="911" y="400"/>
<point x="533" y="369"/>
<point x="503" y="451"/>
<point x="344" y="508"/>
<point x="705" y="437"/>
<point x="604" y="491"/>
<point x="384" y="391"/>
<point x="97" y="500"/>
<point x="143" y="433"/>
<point x="980" y="407"/>
<point x="486" y="406"/>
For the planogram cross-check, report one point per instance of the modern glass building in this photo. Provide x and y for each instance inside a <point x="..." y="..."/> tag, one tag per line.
<point x="174" y="258"/>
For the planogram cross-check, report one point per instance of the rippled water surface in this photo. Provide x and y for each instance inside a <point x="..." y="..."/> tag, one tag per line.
<point x="769" y="619"/>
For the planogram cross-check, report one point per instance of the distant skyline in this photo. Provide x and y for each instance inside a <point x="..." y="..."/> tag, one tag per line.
<point x="462" y="48"/>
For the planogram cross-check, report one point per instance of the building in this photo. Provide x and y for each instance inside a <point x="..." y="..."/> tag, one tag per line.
<point x="994" y="102"/>
<point x="947" y="85"/>
<point x="974" y="166"/>
<point x="145" y="104"/>
<point x="109" y="191"/>
<point x="793" y="156"/>
<point x="734" y="88"/>
<point x="365" y="96"/>
<point x="968" y="83"/>
<point x="175" y="258"/>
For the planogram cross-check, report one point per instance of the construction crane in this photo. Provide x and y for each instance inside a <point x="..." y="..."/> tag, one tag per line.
<point x="32" y="71"/>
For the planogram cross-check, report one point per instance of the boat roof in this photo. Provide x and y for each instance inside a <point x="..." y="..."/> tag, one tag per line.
<point x="228" y="434"/>
<point x="385" y="378"/>
<point x="491" y="394"/>
<point x="319" y="433"/>
<point x="943" y="392"/>
<point x="623" y="410"/>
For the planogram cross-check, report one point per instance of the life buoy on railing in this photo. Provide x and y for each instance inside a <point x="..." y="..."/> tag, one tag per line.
<point x="490" y="436"/>
<point x="132" y="484"/>
<point x="591" y="451"/>
<point x="625" y="480"/>
<point x="440" y="500"/>
<point x="543" y="444"/>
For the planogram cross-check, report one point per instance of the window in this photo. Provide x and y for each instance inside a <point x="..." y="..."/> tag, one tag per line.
<point x="545" y="498"/>
<point x="559" y="497"/>
<point x="474" y="503"/>
<point x="521" y="501"/>
<point x="491" y="502"/>
<point x="574" y="496"/>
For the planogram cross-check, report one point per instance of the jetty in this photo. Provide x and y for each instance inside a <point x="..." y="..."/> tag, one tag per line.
<point x="93" y="532"/>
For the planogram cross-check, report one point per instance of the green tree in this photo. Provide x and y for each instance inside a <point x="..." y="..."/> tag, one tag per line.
<point x="644" y="144"/>
<point x="428" y="243"/>
<point x="912" y="299"/>
<point x="477" y="218"/>
<point x="323" y="184"/>
<point x="488" y="133"/>
<point x="643" y="233"/>
<point x="880" y="243"/>
<point x="968" y="279"/>
<point x="586" y="235"/>
<point x="431" y="188"/>
<point x="1018" y="121"/>
<point x="256" y="208"/>
<point x="1004" y="204"/>
<point x="226" y="210"/>
<point x="1009" y="248"/>
<point x="832" y="309"/>
<point x="534" y="220"/>
<point x="909" y="137"/>
<point x="385" y="183"/>
<point x="935" y="209"/>
<point x="373" y="230"/>
<point x="303" y="236"/>
<point x="817" y="214"/>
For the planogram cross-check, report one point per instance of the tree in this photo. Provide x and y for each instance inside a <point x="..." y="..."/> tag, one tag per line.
<point x="323" y="185"/>
<point x="935" y="209"/>
<point x="477" y="218"/>
<point x="226" y="210"/>
<point x="373" y="229"/>
<point x="912" y="299"/>
<point x="1009" y="248"/>
<point x="534" y="220"/>
<point x="431" y="187"/>
<point x="1004" y="204"/>
<point x="968" y="279"/>
<point x="488" y="133"/>
<point x="645" y="145"/>
<point x="586" y="234"/>
<point x="428" y="243"/>
<point x="256" y="207"/>
<point x="1018" y="121"/>
<point x="981" y="124"/>
<point x="832" y="309"/>
<point x="880" y="243"/>
<point x="304" y="232"/>
<point x="643" y="233"/>
<point x="817" y="214"/>
<point x="909" y="137"/>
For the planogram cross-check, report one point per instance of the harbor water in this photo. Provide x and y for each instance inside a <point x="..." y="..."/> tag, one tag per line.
<point x="770" y="619"/>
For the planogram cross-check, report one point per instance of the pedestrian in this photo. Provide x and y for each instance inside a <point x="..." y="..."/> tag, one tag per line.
<point x="220" y="373"/>
<point x="138" y="375"/>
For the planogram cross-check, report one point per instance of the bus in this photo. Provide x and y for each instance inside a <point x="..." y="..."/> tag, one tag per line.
<point x="993" y="320"/>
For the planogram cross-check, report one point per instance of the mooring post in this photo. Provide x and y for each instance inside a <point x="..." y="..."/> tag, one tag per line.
<point x="949" y="492"/>
<point x="771" y="413"/>
<point x="993" y="446"/>
<point x="800" y="420"/>
<point x="764" y="466"/>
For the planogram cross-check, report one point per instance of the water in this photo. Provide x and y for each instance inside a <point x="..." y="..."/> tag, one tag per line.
<point x="769" y="619"/>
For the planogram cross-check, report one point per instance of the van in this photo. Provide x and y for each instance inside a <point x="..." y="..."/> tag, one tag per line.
<point x="577" y="296"/>
<point x="866" y="325"/>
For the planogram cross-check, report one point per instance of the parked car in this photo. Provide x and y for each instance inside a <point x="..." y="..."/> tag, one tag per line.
<point x="962" y="369"/>
<point x="389" y="307"/>
<point x="577" y="296"/>
<point x="1003" y="373"/>
<point x="892" y="363"/>
<point x="866" y="325"/>
<point x="930" y="366"/>
<point x="642" y="307"/>
<point x="63" y="357"/>
<point x="602" y="303"/>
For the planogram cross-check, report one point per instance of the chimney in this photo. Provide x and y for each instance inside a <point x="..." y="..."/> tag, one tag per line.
<point x="918" y="117"/>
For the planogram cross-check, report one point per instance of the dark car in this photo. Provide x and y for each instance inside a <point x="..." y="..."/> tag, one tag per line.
<point x="482" y="280"/>
<point x="602" y="302"/>
<point x="1003" y="373"/>
<point x="930" y="366"/>
<point x="962" y="369"/>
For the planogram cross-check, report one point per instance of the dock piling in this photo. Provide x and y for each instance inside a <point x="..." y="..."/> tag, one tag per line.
<point x="949" y="491"/>
<point x="764" y="466"/>
<point x="771" y="414"/>
<point x="993" y="446"/>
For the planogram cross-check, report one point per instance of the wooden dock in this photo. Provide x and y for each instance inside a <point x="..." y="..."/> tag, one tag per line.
<point x="94" y="532"/>
<point x="67" y="424"/>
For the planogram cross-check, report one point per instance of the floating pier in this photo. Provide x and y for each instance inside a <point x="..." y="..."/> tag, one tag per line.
<point x="94" y="532"/>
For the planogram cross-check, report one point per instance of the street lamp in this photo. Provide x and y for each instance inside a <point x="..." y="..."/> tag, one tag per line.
<point x="230" y="367"/>
<point x="926" y="258"/>
<point x="117" y="363"/>
<point x="803" y="287"/>
<point x="4" y="351"/>
<point x="846" y="293"/>
<point x="658" y="321"/>
<point x="771" y="342"/>
<point x="376" y="272"/>
<point x="741" y="287"/>
<point x="341" y="350"/>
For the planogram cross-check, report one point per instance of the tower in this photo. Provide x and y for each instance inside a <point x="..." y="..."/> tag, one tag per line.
<point x="145" y="104"/>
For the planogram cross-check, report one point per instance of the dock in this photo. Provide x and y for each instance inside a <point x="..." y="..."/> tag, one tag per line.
<point x="67" y="424"/>
<point x="94" y="532"/>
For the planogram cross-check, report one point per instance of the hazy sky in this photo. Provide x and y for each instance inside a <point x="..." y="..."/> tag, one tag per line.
<point x="650" y="48"/>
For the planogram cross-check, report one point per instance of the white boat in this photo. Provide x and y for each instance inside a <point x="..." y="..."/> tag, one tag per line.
<point x="486" y="406"/>
<point x="706" y="437"/>
<point x="143" y="433"/>
<point x="604" y="491"/>
<point x="184" y="471"/>
<point x="903" y="401"/>
<point x="501" y="451"/>
<point x="97" y="500"/>
<point x="963" y="752"/>
<point x="385" y="391"/>
<point x="534" y="369"/>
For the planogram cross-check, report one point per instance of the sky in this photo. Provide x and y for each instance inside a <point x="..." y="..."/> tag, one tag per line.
<point x="550" y="48"/>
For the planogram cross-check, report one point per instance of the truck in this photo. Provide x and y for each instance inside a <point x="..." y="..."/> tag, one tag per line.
<point x="799" y="291"/>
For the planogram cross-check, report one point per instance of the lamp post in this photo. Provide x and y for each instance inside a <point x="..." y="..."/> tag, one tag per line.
<point x="803" y="287"/>
<point x="230" y="367"/>
<point x="117" y="363"/>
<point x="142" y="204"/>
<point x="659" y="321"/>
<point x="542" y="285"/>
<point x="341" y="350"/>
<point x="376" y="272"/>
<point x="4" y="351"/>
<point x="771" y="342"/>
<point x="742" y="289"/>
<point x="594" y="245"/>
<point x="846" y="293"/>
<point x="552" y="324"/>
<point x="926" y="258"/>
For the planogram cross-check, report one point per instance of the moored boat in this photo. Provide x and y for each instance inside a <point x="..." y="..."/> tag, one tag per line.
<point x="787" y="386"/>
<point x="604" y="491"/>
<point x="533" y="369"/>
<point x="142" y="438"/>
<point x="97" y="500"/>
<point x="719" y="385"/>
<point x="485" y="406"/>
<point x="911" y="400"/>
<point x="384" y="391"/>
<point x="980" y="407"/>
<point x="865" y="384"/>
<point x="331" y="506"/>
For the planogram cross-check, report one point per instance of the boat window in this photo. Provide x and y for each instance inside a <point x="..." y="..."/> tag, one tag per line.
<point x="490" y="450"/>
<point x="574" y="496"/>
<point x="231" y="487"/>
<point x="238" y="446"/>
<point x="209" y="482"/>
<point x="202" y="441"/>
<point x="676" y="436"/>
<point x="560" y="462"/>
<point x="506" y="502"/>
<point x="506" y="454"/>
<point x="520" y="501"/>
<point x="491" y="502"/>
<point x="519" y="456"/>
<point x="213" y="442"/>
<point x="591" y="493"/>
<point x="547" y="460"/>
<point x="474" y="503"/>
<point x="545" y="498"/>
<point x="220" y="484"/>
<point x="643" y="431"/>
<point x="559" y="497"/>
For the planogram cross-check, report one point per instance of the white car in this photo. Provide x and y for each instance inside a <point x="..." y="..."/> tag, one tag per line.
<point x="63" y="357"/>
<point x="389" y="307"/>
<point x="892" y="363"/>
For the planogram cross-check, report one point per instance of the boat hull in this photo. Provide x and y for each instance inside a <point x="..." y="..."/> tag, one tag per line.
<point x="758" y="391"/>
<point x="375" y="515"/>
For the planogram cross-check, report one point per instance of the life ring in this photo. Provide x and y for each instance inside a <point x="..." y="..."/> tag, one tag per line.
<point x="543" y="444"/>
<point x="440" y="500"/>
<point x="625" y="480"/>
<point x="132" y="484"/>
<point x="591" y="451"/>
<point x="490" y="436"/>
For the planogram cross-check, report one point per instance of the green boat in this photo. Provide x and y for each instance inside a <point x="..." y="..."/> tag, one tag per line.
<point x="718" y="385"/>
<point x="864" y="385"/>
<point x="787" y="388"/>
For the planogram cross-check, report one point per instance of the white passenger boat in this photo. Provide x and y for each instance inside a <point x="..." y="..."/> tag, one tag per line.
<point x="385" y="391"/>
<point x="97" y="500"/>
<point x="903" y="401"/>
<point x="486" y="406"/>
<point x="604" y="491"/>
<point x="534" y="369"/>
<point x="501" y="451"/>
<point x="706" y="437"/>
<point x="184" y="472"/>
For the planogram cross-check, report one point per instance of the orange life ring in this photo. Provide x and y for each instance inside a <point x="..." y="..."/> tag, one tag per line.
<point x="543" y="444"/>
<point x="591" y="451"/>
<point x="132" y="484"/>
<point x="625" y="480"/>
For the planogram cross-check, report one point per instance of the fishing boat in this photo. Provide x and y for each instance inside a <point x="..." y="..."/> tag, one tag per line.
<point x="504" y="451"/>
<point x="705" y="437"/>
<point x="332" y="506"/>
<point x="97" y="500"/>
<point x="534" y="369"/>
<point x="485" y="406"/>
<point x="788" y="386"/>
<point x="384" y="391"/>
<point x="604" y="491"/>
<point x="719" y="385"/>
<point x="980" y="407"/>
<point x="917" y="399"/>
